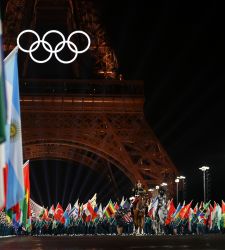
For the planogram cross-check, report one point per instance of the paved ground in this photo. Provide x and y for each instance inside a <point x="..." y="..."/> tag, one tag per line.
<point x="114" y="242"/>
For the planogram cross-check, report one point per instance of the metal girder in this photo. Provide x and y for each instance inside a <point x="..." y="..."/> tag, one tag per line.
<point x="122" y="138"/>
<point x="95" y="122"/>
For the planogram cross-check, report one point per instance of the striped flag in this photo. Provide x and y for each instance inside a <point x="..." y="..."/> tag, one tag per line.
<point x="14" y="154"/>
<point x="127" y="217"/>
<point x="109" y="210"/>
<point x="2" y="122"/>
<point x="74" y="212"/>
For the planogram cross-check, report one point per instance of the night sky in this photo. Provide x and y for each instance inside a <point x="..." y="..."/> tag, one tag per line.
<point x="178" y="51"/>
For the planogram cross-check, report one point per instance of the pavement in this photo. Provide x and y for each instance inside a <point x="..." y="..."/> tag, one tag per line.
<point x="208" y="242"/>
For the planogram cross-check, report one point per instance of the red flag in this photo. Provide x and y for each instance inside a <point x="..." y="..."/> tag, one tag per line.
<point x="195" y="209"/>
<point x="5" y="174"/>
<point x="223" y="207"/>
<point x="26" y="201"/>
<point x="16" y="210"/>
<point x="116" y="206"/>
<point x="45" y="215"/>
<point x="59" y="213"/>
<point x="91" y="211"/>
<point x="184" y="212"/>
<point x="171" y="211"/>
<point x="88" y="218"/>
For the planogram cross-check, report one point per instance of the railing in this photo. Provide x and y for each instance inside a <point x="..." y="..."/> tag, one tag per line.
<point x="84" y="88"/>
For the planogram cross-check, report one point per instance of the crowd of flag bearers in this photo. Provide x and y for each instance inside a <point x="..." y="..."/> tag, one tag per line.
<point x="20" y="215"/>
<point x="114" y="219"/>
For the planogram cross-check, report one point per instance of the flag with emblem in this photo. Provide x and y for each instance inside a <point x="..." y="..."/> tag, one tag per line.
<point x="14" y="153"/>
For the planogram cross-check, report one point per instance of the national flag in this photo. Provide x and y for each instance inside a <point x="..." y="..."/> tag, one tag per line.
<point x="190" y="218"/>
<point x="35" y="209"/>
<point x="68" y="209"/>
<point x="126" y="204"/>
<point x="184" y="212"/>
<point x="171" y="211"/>
<point x="93" y="200"/>
<point x="195" y="210"/>
<point x="14" y="212"/>
<point x="206" y="206"/>
<point x="111" y="207"/>
<point x="210" y="217"/>
<point x="202" y="213"/>
<point x="3" y="117"/>
<point x="223" y="215"/>
<point x="176" y="219"/>
<point x="152" y="208"/>
<point x="91" y="211"/>
<point x="5" y="180"/>
<point x="25" y="203"/>
<point x="45" y="215"/>
<point x="74" y="212"/>
<point x="14" y="153"/>
<point x="41" y="212"/>
<point x="128" y="217"/>
<point x="223" y="207"/>
<point x="122" y="202"/>
<point x="66" y="214"/>
<point x="100" y="211"/>
<point x="109" y="210"/>
<point x="59" y="213"/>
<point x="51" y="212"/>
<point x="176" y="213"/>
<point x="218" y="216"/>
<point x="116" y="206"/>
<point x="201" y="205"/>
<point x="2" y="182"/>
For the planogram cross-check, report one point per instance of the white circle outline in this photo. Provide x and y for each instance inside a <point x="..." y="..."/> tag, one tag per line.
<point x="27" y="31"/>
<point x="57" y="32"/>
<point x="79" y="32"/>
<point x="73" y="59"/>
<point x="39" y="61"/>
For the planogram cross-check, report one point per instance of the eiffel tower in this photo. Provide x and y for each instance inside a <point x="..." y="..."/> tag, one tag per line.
<point x="84" y="112"/>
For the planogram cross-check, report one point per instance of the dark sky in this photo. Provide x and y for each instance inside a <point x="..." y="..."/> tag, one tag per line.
<point x="177" y="49"/>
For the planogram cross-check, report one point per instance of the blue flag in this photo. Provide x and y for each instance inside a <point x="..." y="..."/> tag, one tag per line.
<point x="14" y="153"/>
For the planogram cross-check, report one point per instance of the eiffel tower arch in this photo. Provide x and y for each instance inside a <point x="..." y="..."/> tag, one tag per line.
<point x="98" y="121"/>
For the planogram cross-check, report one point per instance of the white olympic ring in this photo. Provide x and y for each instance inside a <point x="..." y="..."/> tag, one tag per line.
<point x="59" y="47"/>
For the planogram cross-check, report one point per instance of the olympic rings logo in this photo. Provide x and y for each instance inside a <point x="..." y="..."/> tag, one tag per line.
<point x="59" y="47"/>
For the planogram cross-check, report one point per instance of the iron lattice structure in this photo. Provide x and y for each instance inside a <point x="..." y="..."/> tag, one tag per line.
<point x="98" y="123"/>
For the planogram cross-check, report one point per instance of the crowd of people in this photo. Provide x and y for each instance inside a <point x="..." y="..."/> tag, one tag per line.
<point x="160" y="217"/>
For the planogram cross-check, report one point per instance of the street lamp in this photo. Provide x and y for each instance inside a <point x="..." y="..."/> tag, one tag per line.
<point x="151" y="189"/>
<point x="157" y="187"/>
<point x="177" y="182"/>
<point x="182" y="179"/>
<point x="164" y="184"/>
<point x="204" y="169"/>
